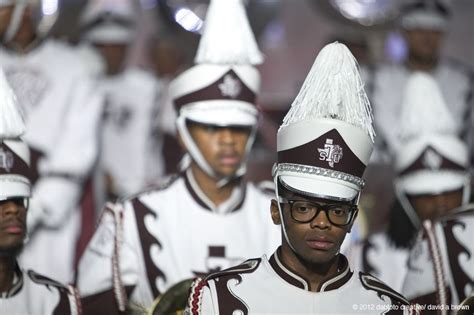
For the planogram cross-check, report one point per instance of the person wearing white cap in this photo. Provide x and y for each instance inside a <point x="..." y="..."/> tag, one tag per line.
<point x="432" y="180"/>
<point x="62" y="115"/>
<point x="130" y="153"/>
<point x="324" y="145"/>
<point x="424" y="24"/>
<point x="21" y="291"/>
<point x="433" y="186"/>
<point x="208" y="217"/>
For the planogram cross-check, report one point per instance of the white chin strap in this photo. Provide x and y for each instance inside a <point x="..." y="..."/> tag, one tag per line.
<point x="282" y="219"/>
<point x="15" y="21"/>
<point x="406" y="205"/>
<point x="195" y="154"/>
<point x="466" y="191"/>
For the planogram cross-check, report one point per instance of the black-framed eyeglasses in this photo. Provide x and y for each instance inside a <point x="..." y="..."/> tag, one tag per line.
<point x="305" y="211"/>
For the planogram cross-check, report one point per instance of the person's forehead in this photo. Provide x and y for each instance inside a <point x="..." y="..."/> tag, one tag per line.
<point x="295" y="196"/>
<point x="445" y="194"/>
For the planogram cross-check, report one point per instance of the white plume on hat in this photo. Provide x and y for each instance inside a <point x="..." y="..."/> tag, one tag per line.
<point x="11" y="121"/>
<point x="227" y="37"/>
<point x="333" y="89"/>
<point x="424" y="112"/>
<point x="14" y="180"/>
<point x="428" y="137"/>
<point x="326" y="138"/>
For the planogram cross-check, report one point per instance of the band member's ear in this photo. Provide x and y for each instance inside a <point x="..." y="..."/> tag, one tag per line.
<point x="275" y="213"/>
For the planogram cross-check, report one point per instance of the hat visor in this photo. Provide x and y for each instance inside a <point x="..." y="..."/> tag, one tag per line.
<point x="427" y="182"/>
<point x="222" y="113"/>
<point x="320" y="187"/>
<point x="14" y="186"/>
<point x="109" y="35"/>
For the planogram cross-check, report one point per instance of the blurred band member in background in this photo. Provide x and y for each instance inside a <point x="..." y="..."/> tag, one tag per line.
<point x="433" y="178"/>
<point x="56" y="91"/>
<point x="21" y="291"/>
<point x="424" y="25"/>
<point x="208" y="217"/>
<point x="131" y="156"/>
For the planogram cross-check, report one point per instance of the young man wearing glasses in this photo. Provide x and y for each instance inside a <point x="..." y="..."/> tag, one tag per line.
<point x="324" y="144"/>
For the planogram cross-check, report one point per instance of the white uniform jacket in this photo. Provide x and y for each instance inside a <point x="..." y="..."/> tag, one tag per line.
<point x="129" y="144"/>
<point x="268" y="286"/>
<point x="441" y="264"/>
<point x="152" y="241"/>
<point x="33" y="294"/>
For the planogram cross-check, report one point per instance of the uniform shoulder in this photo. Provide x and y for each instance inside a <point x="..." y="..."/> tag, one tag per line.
<point x="161" y="185"/>
<point x="141" y="79"/>
<point x="372" y="283"/>
<point x="43" y="280"/>
<point x="69" y="301"/>
<point x="248" y="266"/>
<point x="195" y="299"/>
<point x="266" y="187"/>
<point x="387" y="68"/>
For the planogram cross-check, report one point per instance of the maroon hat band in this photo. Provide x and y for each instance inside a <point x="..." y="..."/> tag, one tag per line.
<point x="228" y="87"/>
<point x="432" y="162"/>
<point x="329" y="151"/>
<point x="11" y="163"/>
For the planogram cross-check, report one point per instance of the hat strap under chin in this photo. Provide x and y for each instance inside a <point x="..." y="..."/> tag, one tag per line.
<point x="406" y="205"/>
<point x="282" y="219"/>
<point x="15" y="21"/>
<point x="192" y="148"/>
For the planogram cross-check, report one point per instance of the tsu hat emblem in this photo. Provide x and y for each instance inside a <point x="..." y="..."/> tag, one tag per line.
<point x="231" y="87"/>
<point x="6" y="160"/>
<point x="331" y="153"/>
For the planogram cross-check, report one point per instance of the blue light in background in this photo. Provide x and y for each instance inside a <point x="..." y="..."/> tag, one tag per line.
<point x="396" y="49"/>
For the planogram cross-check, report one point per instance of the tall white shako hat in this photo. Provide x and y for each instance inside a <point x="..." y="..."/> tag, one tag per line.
<point x="425" y="14"/>
<point x="108" y="22"/>
<point x="432" y="159"/>
<point x="221" y="88"/>
<point x="14" y="153"/>
<point x="327" y="137"/>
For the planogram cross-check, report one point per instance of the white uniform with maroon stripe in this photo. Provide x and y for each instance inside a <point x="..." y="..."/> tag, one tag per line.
<point x="456" y="85"/>
<point x="441" y="264"/>
<point x="62" y="121"/>
<point x="174" y="234"/>
<point x="34" y="294"/>
<point x="130" y="148"/>
<point x="267" y="286"/>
